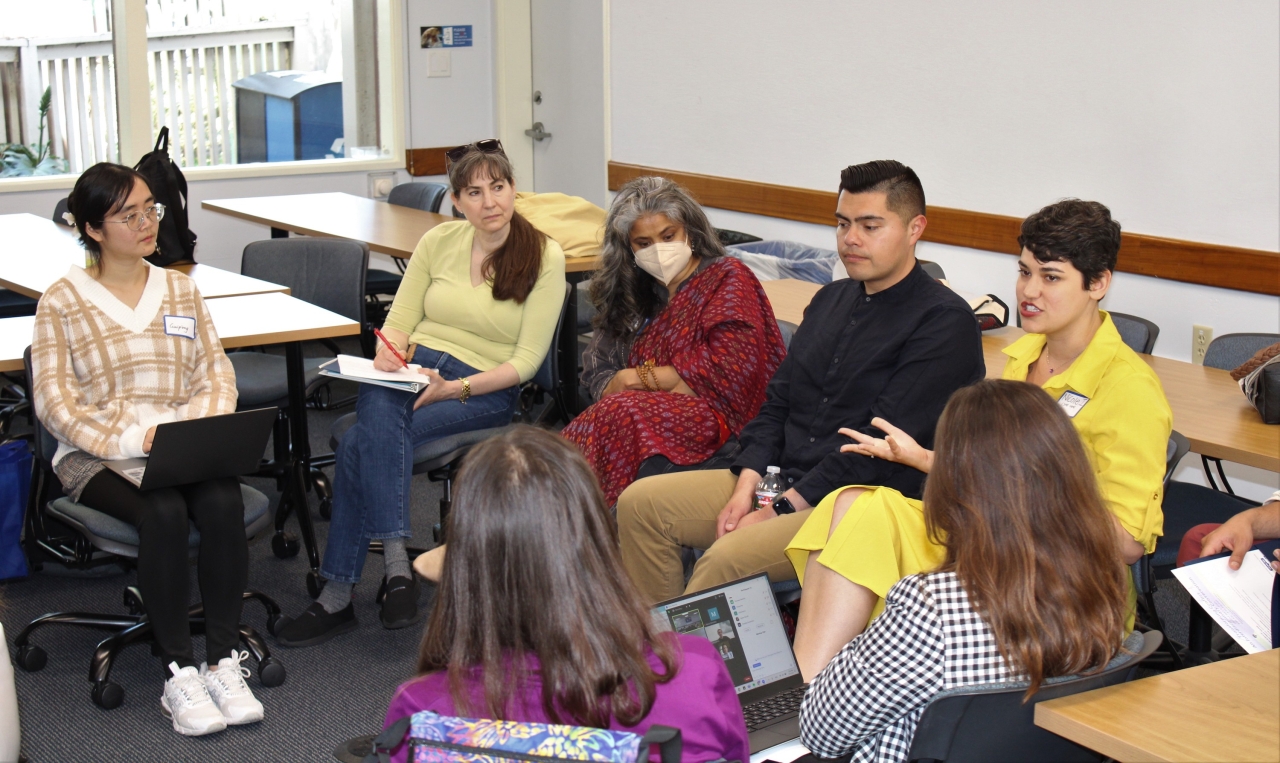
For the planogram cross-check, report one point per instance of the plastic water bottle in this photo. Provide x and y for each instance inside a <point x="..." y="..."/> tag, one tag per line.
<point x="768" y="488"/>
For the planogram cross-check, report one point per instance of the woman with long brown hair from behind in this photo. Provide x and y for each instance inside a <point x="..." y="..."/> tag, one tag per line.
<point x="535" y="619"/>
<point x="1031" y="585"/>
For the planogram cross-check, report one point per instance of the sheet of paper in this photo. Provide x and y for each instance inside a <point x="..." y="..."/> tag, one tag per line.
<point x="350" y="365"/>
<point x="1238" y="600"/>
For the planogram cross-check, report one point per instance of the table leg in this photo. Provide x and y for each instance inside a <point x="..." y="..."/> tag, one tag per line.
<point x="300" y="451"/>
<point x="279" y="233"/>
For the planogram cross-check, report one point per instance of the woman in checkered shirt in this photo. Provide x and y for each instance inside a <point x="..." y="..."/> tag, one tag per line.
<point x="1031" y="587"/>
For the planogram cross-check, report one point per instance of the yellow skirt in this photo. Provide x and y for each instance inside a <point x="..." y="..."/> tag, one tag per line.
<point x="881" y="540"/>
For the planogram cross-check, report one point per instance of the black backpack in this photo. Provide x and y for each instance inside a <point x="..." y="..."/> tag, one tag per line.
<point x="175" y="242"/>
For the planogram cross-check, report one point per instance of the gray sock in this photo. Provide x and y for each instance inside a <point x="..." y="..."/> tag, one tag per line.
<point x="395" y="558"/>
<point x="336" y="596"/>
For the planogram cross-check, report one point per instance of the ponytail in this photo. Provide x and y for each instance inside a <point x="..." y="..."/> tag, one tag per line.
<point x="513" y="267"/>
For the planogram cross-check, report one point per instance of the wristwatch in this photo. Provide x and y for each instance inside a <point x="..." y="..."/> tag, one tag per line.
<point x="782" y="505"/>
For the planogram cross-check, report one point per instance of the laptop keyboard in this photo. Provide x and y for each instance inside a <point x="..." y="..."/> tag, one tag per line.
<point x="136" y="472"/>
<point x="766" y="711"/>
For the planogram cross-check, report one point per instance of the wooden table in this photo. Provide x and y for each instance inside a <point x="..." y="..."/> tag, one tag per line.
<point x="393" y="230"/>
<point x="1223" y="711"/>
<point x="387" y="228"/>
<point x="1208" y="407"/>
<point x="36" y="252"/>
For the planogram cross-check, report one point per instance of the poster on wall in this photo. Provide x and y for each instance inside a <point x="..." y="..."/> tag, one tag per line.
<point x="446" y="36"/>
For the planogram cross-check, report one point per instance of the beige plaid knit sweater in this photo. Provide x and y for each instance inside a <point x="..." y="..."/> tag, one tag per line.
<point x="104" y="373"/>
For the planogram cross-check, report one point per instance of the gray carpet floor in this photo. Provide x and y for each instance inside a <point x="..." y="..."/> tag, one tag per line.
<point x="333" y="692"/>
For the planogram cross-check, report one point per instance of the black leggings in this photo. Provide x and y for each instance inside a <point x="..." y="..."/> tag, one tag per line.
<point x="161" y="516"/>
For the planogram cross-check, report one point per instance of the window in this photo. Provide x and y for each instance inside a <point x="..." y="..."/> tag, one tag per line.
<point x="282" y="85"/>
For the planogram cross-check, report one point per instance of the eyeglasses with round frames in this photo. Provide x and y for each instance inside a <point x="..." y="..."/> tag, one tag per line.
<point x="135" y="221"/>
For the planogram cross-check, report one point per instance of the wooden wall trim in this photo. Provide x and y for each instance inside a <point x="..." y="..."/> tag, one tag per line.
<point x="1227" y="267"/>
<point x="425" y="161"/>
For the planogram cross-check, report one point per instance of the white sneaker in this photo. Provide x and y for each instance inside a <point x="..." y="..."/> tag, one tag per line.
<point x="229" y="691"/>
<point x="187" y="702"/>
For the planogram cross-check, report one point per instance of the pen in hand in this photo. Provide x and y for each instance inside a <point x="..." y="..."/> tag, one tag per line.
<point x="391" y="347"/>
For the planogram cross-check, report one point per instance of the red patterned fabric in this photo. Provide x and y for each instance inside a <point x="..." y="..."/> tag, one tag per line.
<point x="720" y="335"/>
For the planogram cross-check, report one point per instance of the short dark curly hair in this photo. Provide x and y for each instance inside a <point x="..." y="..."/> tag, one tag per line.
<point x="903" y="192"/>
<point x="1079" y="232"/>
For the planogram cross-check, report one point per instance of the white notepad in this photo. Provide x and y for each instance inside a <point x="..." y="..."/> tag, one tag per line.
<point x="1239" y="600"/>
<point x="361" y="370"/>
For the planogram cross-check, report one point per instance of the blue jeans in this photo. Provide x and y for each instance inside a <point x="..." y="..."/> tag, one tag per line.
<point x="374" y="461"/>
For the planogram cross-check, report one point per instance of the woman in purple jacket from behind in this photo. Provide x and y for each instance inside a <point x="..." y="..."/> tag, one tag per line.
<point x="535" y="619"/>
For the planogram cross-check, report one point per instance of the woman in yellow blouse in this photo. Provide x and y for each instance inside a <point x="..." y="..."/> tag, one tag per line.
<point x="859" y="541"/>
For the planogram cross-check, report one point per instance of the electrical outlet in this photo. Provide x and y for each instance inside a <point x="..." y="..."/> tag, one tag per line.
<point x="381" y="183"/>
<point x="1201" y="336"/>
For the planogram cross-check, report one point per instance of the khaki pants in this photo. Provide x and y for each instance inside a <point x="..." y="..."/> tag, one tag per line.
<point x="658" y="515"/>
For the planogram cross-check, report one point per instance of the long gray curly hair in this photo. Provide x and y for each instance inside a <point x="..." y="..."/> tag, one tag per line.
<point x="623" y="294"/>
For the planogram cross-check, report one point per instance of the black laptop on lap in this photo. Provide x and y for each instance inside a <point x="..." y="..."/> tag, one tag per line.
<point x="183" y="452"/>
<point x="741" y="620"/>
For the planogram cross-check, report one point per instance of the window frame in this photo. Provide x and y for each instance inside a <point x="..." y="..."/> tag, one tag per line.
<point x="133" y="108"/>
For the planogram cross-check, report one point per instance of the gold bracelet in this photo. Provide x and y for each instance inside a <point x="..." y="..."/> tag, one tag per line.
<point x="466" y="390"/>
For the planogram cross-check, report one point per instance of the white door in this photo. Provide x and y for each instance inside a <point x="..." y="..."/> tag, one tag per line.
<point x="568" y="130"/>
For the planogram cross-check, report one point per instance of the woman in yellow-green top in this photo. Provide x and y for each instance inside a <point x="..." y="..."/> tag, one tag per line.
<point x="860" y="541"/>
<point x="476" y="311"/>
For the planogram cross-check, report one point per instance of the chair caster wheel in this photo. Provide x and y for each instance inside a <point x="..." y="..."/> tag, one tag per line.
<point x="275" y="623"/>
<point x="31" y="658"/>
<point x="107" y="695"/>
<point x="315" y="584"/>
<point x="284" y="545"/>
<point x="271" y="672"/>
<point x="326" y="509"/>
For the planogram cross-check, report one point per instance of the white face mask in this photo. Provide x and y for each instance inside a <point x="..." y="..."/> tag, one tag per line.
<point x="664" y="260"/>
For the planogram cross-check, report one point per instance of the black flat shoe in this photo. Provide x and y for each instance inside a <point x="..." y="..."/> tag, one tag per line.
<point x="399" y="599"/>
<point x="315" y="626"/>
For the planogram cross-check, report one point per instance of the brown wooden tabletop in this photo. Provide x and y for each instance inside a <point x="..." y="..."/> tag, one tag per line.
<point x="387" y="228"/>
<point x="1224" y="711"/>
<point x="1208" y="407"/>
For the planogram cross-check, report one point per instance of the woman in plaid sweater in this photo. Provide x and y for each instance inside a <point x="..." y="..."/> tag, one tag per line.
<point x="121" y="346"/>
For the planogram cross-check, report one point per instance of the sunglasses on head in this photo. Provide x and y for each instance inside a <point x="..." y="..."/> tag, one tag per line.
<point x="488" y="146"/>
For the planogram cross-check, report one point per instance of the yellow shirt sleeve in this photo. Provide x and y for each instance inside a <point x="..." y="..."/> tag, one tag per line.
<point x="1127" y="436"/>
<point x="541" y="313"/>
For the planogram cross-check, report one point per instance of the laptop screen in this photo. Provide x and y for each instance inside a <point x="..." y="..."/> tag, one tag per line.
<point x="741" y="620"/>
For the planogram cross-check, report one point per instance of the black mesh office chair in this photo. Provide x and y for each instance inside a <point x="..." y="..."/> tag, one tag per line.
<point x="61" y="530"/>
<point x="1228" y="352"/>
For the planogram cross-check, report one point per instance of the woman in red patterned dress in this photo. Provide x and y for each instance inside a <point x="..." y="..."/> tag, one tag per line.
<point x="684" y="339"/>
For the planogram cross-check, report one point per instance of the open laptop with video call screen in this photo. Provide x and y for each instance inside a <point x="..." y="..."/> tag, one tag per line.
<point x="741" y="620"/>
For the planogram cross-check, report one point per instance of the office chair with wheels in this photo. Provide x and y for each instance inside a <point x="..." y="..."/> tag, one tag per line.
<point x="440" y="459"/>
<point x="1138" y="333"/>
<point x="328" y="273"/>
<point x="63" y="531"/>
<point x="1228" y="352"/>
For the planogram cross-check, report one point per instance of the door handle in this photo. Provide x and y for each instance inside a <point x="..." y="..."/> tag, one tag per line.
<point x="537" y="132"/>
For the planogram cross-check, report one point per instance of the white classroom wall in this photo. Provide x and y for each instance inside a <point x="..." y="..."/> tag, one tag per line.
<point x="1168" y="112"/>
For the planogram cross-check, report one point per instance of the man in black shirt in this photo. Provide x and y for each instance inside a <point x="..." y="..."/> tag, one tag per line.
<point x="890" y="342"/>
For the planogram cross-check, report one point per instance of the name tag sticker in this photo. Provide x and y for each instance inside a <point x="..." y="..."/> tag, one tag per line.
<point x="178" y="325"/>
<point x="1072" y="402"/>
